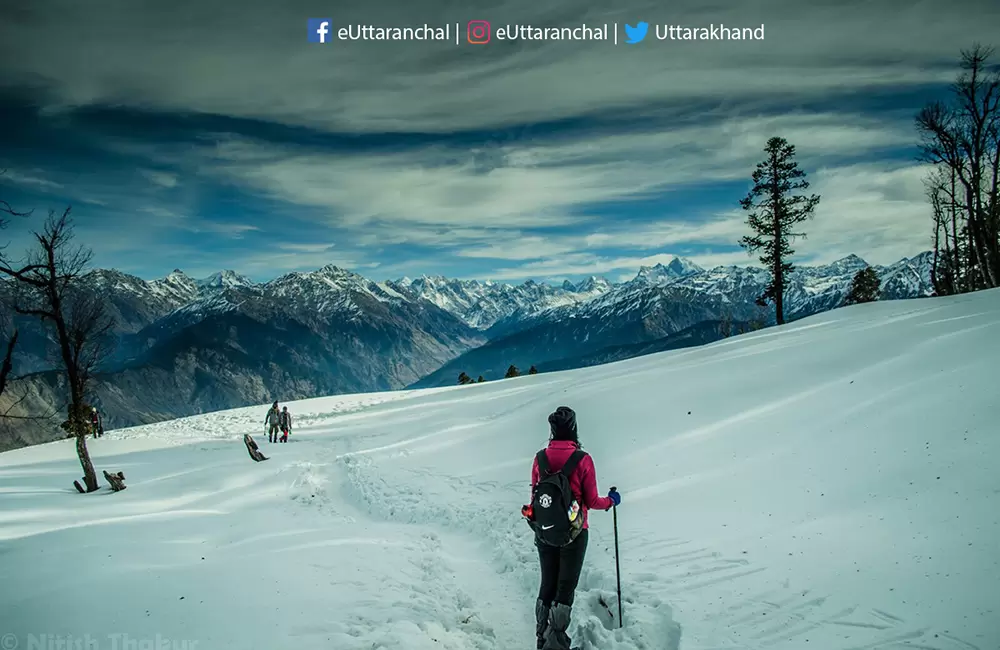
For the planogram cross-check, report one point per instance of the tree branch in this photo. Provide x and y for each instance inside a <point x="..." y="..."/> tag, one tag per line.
<point x="8" y="362"/>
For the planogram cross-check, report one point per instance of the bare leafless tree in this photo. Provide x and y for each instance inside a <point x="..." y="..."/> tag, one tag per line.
<point x="7" y="211"/>
<point x="7" y="365"/>
<point x="962" y="141"/>
<point x="48" y="287"/>
<point x="949" y="272"/>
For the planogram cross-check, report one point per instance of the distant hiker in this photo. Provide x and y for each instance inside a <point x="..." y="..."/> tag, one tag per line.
<point x="96" y="424"/>
<point x="563" y="489"/>
<point x="285" y="422"/>
<point x="272" y="422"/>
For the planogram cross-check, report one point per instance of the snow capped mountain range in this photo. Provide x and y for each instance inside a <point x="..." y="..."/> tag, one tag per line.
<point x="487" y="304"/>
<point x="811" y="289"/>
<point x="678" y="269"/>
<point x="186" y="345"/>
<point x="658" y="303"/>
<point x="223" y="280"/>
<point x="483" y="304"/>
<point x="326" y="291"/>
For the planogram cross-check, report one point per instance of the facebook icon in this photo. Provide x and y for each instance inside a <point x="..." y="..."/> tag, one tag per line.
<point x="319" y="29"/>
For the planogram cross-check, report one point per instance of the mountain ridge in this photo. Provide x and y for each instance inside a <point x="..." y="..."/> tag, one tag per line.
<point x="483" y="303"/>
<point x="185" y="344"/>
<point x="658" y="303"/>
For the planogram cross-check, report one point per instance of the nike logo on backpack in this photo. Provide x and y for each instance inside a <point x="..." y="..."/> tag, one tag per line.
<point x="547" y="527"/>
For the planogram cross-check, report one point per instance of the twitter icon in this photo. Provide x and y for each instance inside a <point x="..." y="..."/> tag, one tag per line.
<point x="637" y="33"/>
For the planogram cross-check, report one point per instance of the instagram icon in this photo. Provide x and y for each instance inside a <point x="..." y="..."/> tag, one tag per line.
<point x="479" y="31"/>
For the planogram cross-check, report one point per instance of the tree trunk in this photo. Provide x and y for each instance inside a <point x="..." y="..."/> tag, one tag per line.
<point x="993" y="216"/>
<point x="8" y="362"/>
<point x="80" y="423"/>
<point x="779" y="296"/>
<point x="89" y="474"/>
<point x="779" y="278"/>
<point x="116" y="479"/>
<point x="255" y="453"/>
<point x="935" y="282"/>
<point x="977" y="261"/>
<point x="978" y="254"/>
<point x="986" y="256"/>
<point x="956" y="281"/>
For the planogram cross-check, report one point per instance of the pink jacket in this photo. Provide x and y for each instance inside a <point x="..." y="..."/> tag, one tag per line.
<point x="583" y="481"/>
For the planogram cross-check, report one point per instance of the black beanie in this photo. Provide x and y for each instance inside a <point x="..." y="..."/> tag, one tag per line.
<point x="562" y="424"/>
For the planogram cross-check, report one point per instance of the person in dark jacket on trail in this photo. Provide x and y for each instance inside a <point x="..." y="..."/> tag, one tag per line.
<point x="96" y="422"/>
<point x="273" y="423"/>
<point x="561" y="565"/>
<point x="285" y="422"/>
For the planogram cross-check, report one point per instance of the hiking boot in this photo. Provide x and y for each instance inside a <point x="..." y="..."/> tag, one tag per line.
<point x="541" y="622"/>
<point x="555" y="636"/>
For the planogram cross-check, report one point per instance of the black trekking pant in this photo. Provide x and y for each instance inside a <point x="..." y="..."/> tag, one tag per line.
<point x="561" y="567"/>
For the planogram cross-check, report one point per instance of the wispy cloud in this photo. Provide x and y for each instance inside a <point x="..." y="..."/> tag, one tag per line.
<point x="160" y="178"/>
<point x="869" y="209"/>
<point x="163" y="213"/>
<point x="515" y="247"/>
<point x="236" y="230"/>
<point x="550" y="199"/>
<point x="305" y="248"/>
<point x="527" y="159"/>
<point x="33" y="179"/>
<point x="875" y="210"/>
<point x="810" y="50"/>
<point x="438" y="194"/>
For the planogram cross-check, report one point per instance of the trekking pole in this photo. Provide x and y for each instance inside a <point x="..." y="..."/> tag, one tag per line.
<point x="618" y="570"/>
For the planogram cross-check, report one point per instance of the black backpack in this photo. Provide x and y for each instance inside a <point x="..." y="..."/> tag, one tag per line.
<point x="556" y="517"/>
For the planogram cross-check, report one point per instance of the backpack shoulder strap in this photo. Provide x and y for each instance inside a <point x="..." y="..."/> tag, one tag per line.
<point x="572" y="462"/>
<point x="543" y="462"/>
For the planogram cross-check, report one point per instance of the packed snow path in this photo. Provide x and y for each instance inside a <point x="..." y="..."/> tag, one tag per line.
<point x="831" y="484"/>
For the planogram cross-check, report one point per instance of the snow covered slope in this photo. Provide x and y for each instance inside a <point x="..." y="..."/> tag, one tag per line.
<point x="828" y="484"/>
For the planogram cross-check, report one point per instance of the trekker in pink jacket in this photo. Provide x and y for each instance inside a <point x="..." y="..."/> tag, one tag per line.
<point x="563" y="490"/>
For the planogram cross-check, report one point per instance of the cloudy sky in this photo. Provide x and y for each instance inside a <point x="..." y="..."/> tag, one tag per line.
<point x="203" y="136"/>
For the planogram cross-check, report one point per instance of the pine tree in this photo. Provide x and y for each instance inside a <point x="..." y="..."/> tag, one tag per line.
<point x="480" y="380"/>
<point x="532" y="370"/>
<point x="864" y="288"/>
<point x="464" y="378"/>
<point x="774" y="213"/>
<point x="512" y="372"/>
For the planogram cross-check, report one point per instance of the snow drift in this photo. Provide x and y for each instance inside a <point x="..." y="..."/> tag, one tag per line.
<point x="828" y="484"/>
